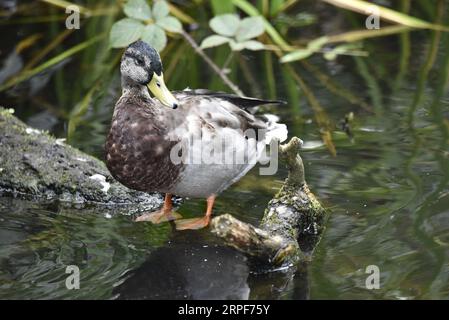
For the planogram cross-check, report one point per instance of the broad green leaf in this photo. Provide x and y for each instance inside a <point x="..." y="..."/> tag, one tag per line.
<point x="236" y="46"/>
<point x="124" y="32"/>
<point x="155" y="36"/>
<point x="249" y="9"/>
<point x="137" y="9"/>
<point x="249" y="28"/>
<point x="170" y="24"/>
<point x="225" y="24"/>
<point x="160" y="9"/>
<point x="214" y="41"/>
<point x="253" y="45"/>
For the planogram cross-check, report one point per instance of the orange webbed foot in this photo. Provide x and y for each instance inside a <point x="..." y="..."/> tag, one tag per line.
<point x="163" y="215"/>
<point x="159" y="216"/>
<point x="197" y="223"/>
<point x="192" y="224"/>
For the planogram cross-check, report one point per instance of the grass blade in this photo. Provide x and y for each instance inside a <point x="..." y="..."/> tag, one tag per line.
<point x="64" y="55"/>
<point x="321" y="116"/>
<point x="385" y="13"/>
<point x="64" y="4"/>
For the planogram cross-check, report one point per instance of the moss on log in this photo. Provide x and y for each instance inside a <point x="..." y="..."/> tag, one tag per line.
<point x="35" y="165"/>
<point x="292" y="223"/>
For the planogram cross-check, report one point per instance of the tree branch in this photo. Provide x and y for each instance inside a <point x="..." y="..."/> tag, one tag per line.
<point x="214" y="67"/>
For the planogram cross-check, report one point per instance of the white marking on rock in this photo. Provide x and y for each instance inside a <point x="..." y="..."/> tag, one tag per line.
<point x="102" y="180"/>
<point x="81" y="159"/>
<point x="60" y="141"/>
<point x="281" y="210"/>
<point x="32" y="131"/>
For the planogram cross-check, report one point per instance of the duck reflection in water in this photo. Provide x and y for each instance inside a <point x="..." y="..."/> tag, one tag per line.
<point x="180" y="271"/>
<point x="191" y="267"/>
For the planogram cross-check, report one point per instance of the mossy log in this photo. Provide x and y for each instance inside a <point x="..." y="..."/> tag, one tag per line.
<point x="35" y="165"/>
<point x="292" y="223"/>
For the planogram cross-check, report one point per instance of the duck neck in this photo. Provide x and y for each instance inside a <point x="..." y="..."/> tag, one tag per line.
<point x="133" y="88"/>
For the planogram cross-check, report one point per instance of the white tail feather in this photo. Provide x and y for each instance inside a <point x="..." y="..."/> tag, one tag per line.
<point x="275" y="130"/>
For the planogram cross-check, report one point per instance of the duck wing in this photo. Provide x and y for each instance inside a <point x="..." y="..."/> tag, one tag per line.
<point x="223" y="112"/>
<point x="241" y="102"/>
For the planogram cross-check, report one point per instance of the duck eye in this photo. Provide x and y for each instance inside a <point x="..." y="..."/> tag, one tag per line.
<point x="140" y="61"/>
<point x="158" y="84"/>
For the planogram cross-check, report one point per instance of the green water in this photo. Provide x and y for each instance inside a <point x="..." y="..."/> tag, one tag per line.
<point x="387" y="190"/>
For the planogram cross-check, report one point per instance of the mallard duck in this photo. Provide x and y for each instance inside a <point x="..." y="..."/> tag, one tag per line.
<point x="149" y="146"/>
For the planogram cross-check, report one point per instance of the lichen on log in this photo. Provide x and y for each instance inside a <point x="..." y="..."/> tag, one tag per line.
<point x="35" y="165"/>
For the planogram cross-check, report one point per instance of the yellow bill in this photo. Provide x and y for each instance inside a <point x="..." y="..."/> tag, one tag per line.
<point x="159" y="90"/>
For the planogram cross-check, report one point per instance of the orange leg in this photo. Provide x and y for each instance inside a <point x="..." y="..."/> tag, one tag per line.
<point x="165" y="214"/>
<point x="197" y="223"/>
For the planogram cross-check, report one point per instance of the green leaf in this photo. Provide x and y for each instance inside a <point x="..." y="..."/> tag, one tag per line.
<point x="221" y="7"/>
<point x="236" y="46"/>
<point x="27" y="74"/>
<point x="276" y="6"/>
<point x="297" y="55"/>
<point x="249" y="9"/>
<point x="312" y="47"/>
<point x="137" y="9"/>
<point x="160" y="9"/>
<point x="225" y="24"/>
<point x="124" y="32"/>
<point x="253" y="45"/>
<point x="249" y="28"/>
<point x="170" y="24"/>
<point x="155" y="36"/>
<point x="348" y="49"/>
<point x="385" y="13"/>
<point x="317" y="44"/>
<point x="213" y="41"/>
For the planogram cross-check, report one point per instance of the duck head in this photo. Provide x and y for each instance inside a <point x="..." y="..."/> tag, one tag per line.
<point x="141" y="65"/>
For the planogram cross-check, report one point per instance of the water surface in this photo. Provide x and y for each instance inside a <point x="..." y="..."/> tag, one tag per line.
<point x="387" y="190"/>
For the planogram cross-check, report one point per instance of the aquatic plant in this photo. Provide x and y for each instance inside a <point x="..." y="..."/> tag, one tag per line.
<point x="145" y="23"/>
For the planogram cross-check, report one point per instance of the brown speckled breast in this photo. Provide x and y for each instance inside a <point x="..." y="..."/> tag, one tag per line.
<point x="138" y="150"/>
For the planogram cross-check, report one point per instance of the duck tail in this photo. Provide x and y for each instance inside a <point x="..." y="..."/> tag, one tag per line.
<point x="275" y="130"/>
